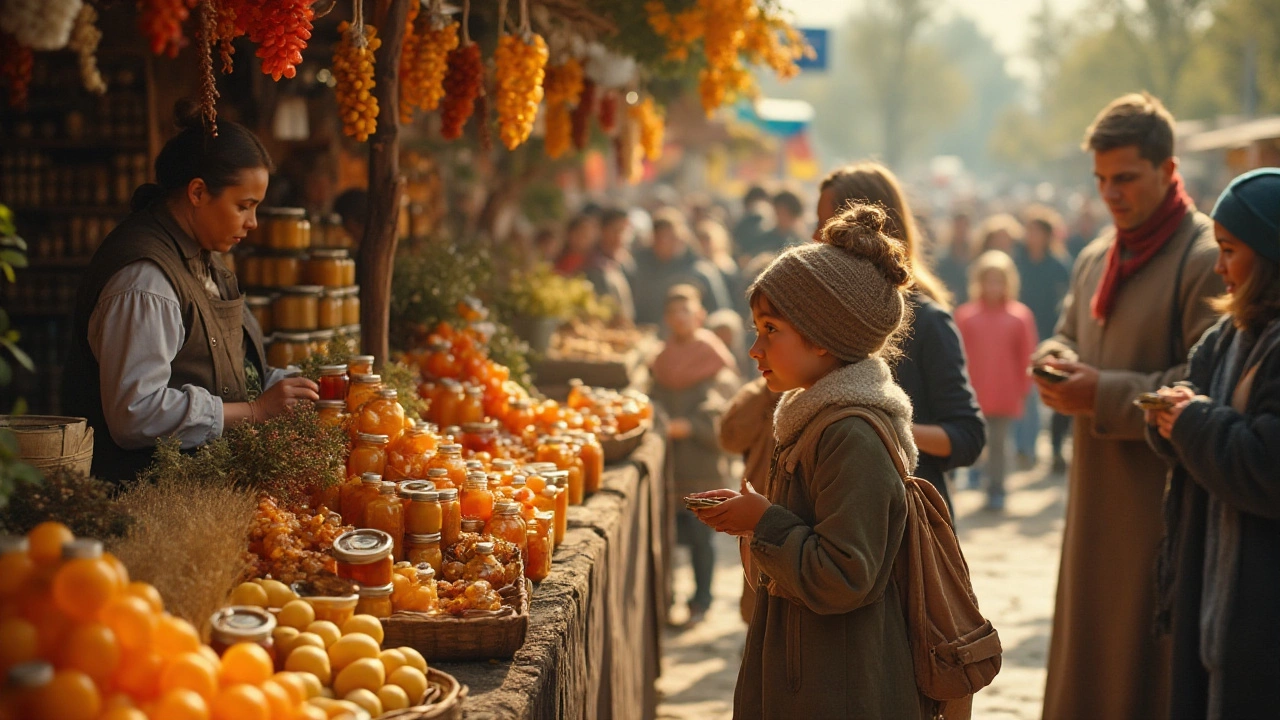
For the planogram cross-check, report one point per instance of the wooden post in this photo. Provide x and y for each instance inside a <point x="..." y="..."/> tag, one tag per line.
<point x="378" y="247"/>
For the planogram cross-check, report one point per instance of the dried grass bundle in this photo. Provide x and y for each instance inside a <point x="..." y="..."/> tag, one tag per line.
<point x="188" y="539"/>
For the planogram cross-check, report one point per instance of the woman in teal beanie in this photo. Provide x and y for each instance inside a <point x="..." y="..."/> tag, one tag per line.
<point x="1220" y="566"/>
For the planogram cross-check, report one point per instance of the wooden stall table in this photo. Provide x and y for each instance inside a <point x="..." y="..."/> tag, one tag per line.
<point x="593" y="647"/>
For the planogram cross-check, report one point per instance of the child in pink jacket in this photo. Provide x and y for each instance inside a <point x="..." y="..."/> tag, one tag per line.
<point x="999" y="336"/>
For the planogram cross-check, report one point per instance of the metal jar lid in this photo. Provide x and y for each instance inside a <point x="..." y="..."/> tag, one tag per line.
<point x="423" y="539"/>
<point x="447" y="494"/>
<point x="408" y="487"/>
<point x="424" y="496"/>
<point x="241" y="623"/>
<point x="376" y="591"/>
<point x="82" y="549"/>
<point x="437" y="473"/>
<point x="361" y="547"/>
<point x="371" y="478"/>
<point x="333" y="370"/>
<point x="375" y="439"/>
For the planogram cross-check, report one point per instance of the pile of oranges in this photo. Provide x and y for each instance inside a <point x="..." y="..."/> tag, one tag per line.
<point x="80" y="641"/>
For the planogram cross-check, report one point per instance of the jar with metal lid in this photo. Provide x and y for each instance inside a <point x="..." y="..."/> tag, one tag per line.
<point x="383" y="415"/>
<point x="364" y="556"/>
<point x="331" y="268"/>
<point x="356" y="495"/>
<point x="297" y="308"/>
<point x="474" y="526"/>
<point x="410" y="456"/>
<point x="351" y="306"/>
<point x="476" y="497"/>
<point x="333" y="599"/>
<point x="368" y="455"/>
<point x="288" y="348"/>
<point x="334" y="383"/>
<point x="282" y="270"/>
<point x="251" y="271"/>
<point x="360" y="365"/>
<point x="375" y="600"/>
<point x="520" y="415"/>
<point x="260" y="307"/>
<point x="424" y="515"/>
<point x="384" y="512"/>
<point x="330" y="309"/>
<point x="540" y="544"/>
<point x="363" y="388"/>
<point x="424" y="548"/>
<point x="472" y="408"/>
<point x="480" y="437"/>
<point x="285" y="228"/>
<point x="591" y="453"/>
<point x="507" y="524"/>
<point x="450" y="516"/>
<point x="318" y="341"/>
<point x="484" y="566"/>
<point x="351" y="336"/>
<point x="449" y="458"/>
<point x="242" y="624"/>
<point x="333" y="413"/>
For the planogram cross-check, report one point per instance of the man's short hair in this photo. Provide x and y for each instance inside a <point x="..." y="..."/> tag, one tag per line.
<point x="1137" y="119"/>
<point x="755" y="194"/>
<point x="790" y="202"/>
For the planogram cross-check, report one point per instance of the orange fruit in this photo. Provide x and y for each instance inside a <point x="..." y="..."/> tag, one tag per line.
<point x="18" y="642"/>
<point x="133" y="621"/>
<point x="181" y="704"/>
<point x="121" y="571"/>
<point x="15" y="570"/>
<point x="139" y="674"/>
<point x="240" y="702"/>
<point x="82" y="587"/>
<point x="279" y="700"/>
<point x="245" y="663"/>
<point x="123" y="713"/>
<point x="71" y="695"/>
<point x="291" y="684"/>
<point x="147" y="592"/>
<point x="175" y="636"/>
<point x="92" y="649"/>
<point x="46" y="541"/>
<point x="52" y="626"/>
<point x="117" y="700"/>
<point x="190" y="671"/>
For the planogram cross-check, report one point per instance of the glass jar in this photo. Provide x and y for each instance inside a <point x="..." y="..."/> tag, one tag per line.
<point x="440" y="477"/>
<point x="334" y="383"/>
<point x="297" y="308"/>
<point x="480" y="437"/>
<point x="410" y="456"/>
<point x="336" y="605"/>
<point x="406" y="488"/>
<point x="561" y="510"/>
<point x="286" y="349"/>
<point x="285" y="228"/>
<point x="281" y="270"/>
<point x="330" y="310"/>
<point x="250" y="274"/>
<point x="424" y="515"/>
<point x="484" y="566"/>
<point x="507" y="524"/>
<point x="375" y="600"/>
<point x="368" y="456"/>
<point x="364" y="556"/>
<point x="579" y="396"/>
<point x="506" y="470"/>
<point x="243" y="624"/>
<point x="440" y="362"/>
<point x="448" y="403"/>
<point x="351" y="306"/>
<point x="360" y="365"/>
<point x="385" y="513"/>
<point x="355" y="496"/>
<point x="260" y="308"/>
<point x="383" y="415"/>
<point x="331" y="268"/>
<point x="577" y="480"/>
<point x="472" y="408"/>
<point x="363" y="389"/>
<point x="552" y="450"/>
<point x="592" y="456"/>
<point x="519" y="416"/>
<point x="545" y="502"/>
<point x="449" y="458"/>
<point x="424" y="548"/>
<point x="477" y="498"/>
<point x="450" y="516"/>
<point x="333" y="413"/>
<point x="537" y="565"/>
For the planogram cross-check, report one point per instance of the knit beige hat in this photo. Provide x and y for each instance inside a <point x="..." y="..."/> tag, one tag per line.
<point x="845" y="293"/>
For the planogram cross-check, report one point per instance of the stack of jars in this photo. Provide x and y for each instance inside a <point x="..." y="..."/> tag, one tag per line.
<point x="302" y="294"/>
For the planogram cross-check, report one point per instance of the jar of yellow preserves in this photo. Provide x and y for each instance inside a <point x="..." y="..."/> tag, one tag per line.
<point x="297" y="308"/>
<point x="285" y="228"/>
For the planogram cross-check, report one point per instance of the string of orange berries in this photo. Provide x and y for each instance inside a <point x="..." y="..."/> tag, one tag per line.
<point x="232" y="20"/>
<point x="353" y="70"/>
<point x="463" y="82"/>
<point x="208" y="83"/>
<point x="161" y="21"/>
<point x="521" y="61"/>
<point x="425" y="61"/>
<point x="652" y="127"/>
<point x="281" y="29"/>
<point x="563" y="88"/>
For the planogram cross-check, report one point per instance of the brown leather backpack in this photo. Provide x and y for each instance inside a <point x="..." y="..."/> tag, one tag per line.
<point x="956" y="651"/>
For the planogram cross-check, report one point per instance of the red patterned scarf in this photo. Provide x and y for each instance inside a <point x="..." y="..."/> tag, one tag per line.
<point x="1141" y="244"/>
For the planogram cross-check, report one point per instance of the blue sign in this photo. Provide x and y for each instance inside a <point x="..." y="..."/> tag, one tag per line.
<point x="818" y="40"/>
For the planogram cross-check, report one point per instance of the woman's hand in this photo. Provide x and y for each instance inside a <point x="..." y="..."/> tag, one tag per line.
<point x="1180" y="395"/>
<point x="738" y="515"/>
<point x="282" y="396"/>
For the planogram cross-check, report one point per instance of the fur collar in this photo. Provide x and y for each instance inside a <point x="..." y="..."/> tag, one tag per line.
<point x="867" y="383"/>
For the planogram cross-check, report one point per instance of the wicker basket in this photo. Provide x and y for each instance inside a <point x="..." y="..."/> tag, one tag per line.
<point x="481" y="635"/>
<point x="620" y="447"/>
<point x="443" y="702"/>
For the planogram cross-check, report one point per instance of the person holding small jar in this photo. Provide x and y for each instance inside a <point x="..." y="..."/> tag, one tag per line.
<point x="164" y="345"/>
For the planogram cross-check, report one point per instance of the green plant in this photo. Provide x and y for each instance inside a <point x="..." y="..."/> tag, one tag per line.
<point x="403" y="378"/>
<point x="13" y="255"/>
<point x="544" y="293"/>
<point x="83" y="503"/>
<point x="337" y="352"/>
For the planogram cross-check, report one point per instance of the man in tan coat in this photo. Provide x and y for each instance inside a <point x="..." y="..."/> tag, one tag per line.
<point x="1136" y="306"/>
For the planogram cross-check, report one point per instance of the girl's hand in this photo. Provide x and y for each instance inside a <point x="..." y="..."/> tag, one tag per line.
<point x="738" y="515"/>
<point x="1177" y="394"/>
<point x="1169" y="418"/>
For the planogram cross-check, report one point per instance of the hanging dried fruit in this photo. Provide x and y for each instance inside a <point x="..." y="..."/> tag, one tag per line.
<point x="208" y="83"/>
<point x="463" y="83"/>
<point x="85" y="37"/>
<point x="582" y="114"/>
<point x="16" y="62"/>
<point x="652" y="126"/>
<point x="39" y="24"/>
<point x="563" y="88"/>
<point x="161" y="21"/>
<point x="425" y="61"/>
<point x="353" y="70"/>
<point x="281" y="29"/>
<point x="233" y="17"/>
<point x="521" y="60"/>
<point x="609" y="111"/>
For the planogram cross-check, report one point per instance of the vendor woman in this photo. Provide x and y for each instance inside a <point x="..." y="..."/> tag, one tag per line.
<point x="164" y="345"/>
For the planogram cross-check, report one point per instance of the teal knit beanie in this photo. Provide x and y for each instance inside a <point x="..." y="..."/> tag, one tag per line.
<point x="1250" y="209"/>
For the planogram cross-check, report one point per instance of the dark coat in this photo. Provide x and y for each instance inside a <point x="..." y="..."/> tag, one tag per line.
<point x="1219" y="452"/>
<point x="1044" y="285"/>
<point x="654" y="278"/>
<point x="933" y="373"/>
<point x="697" y="462"/>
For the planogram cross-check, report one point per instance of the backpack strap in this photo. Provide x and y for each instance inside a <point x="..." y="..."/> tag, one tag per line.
<point x="804" y="452"/>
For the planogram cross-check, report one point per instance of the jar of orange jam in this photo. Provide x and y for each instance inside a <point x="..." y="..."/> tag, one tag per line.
<point x="364" y="556"/>
<point x="440" y="478"/>
<point x="507" y="524"/>
<point x="473" y="526"/>
<point x="351" y="306"/>
<point x="506" y="469"/>
<point x="331" y="268"/>
<point x="484" y="566"/>
<point x="364" y="388"/>
<point x="368" y="456"/>
<point x="260" y="308"/>
<point x="592" y="456"/>
<point x="375" y="601"/>
<point x="297" y="308"/>
<point x="383" y="415"/>
<point x="424" y="515"/>
<point x="449" y="458"/>
<point x="552" y="450"/>
<point x="384" y="512"/>
<point x="480" y="437"/>
<point x="281" y="270"/>
<point x="356" y="496"/>
<point x="450" y="516"/>
<point x="410" y="456"/>
<point x="577" y="477"/>
<point x="243" y="624"/>
<point x="285" y="228"/>
<point x="477" y="498"/>
<point x="333" y="413"/>
<point x="545" y="501"/>
<point x="334" y="382"/>
<point x="406" y="488"/>
<point x="360" y="365"/>
<point x="330" y="310"/>
<point x="537" y="564"/>
<point x="472" y="408"/>
<point x="519" y="416"/>
<point x="424" y="548"/>
<point x="448" y="403"/>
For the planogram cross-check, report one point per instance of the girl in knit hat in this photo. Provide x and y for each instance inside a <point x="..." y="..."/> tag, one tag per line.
<point x="1220" y="431"/>
<point x="827" y="637"/>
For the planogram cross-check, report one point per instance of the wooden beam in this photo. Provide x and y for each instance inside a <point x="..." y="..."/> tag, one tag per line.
<point x="386" y="185"/>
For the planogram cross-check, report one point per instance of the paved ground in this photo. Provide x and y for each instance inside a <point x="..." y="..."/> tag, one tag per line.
<point x="1014" y="561"/>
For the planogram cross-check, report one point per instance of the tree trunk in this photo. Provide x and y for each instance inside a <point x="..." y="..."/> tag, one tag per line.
<point x="378" y="247"/>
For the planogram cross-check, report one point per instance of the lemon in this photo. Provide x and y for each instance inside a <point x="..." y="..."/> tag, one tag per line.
<point x="336" y="708"/>
<point x="350" y="648"/>
<point x="365" y="673"/>
<point x="307" y="639"/>
<point x="284" y="637"/>
<point x="311" y="712"/>
<point x="293" y="684"/>
<point x="412" y="680"/>
<point x="365" y="699"/>
<point x="307" y="659"/>
<point x="366" y="624"/>
<point x="248" y="593"/>
<point x="413" y="658"/>
<point x="297" y="614"/>
<point x="278" y="594"/>
<point x="310" y="682"/>
<point x="392" y="660"/>
<point x="326" y="630"/>
<point x="393" y="698"/>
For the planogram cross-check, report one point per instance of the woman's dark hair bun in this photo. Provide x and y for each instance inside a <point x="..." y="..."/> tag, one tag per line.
<point x="863" y="230"/>
<point x="187" y="115"/>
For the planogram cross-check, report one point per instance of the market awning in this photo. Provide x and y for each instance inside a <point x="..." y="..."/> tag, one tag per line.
<point x="1236" y="136"/>
<point x="776" y="116"/>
